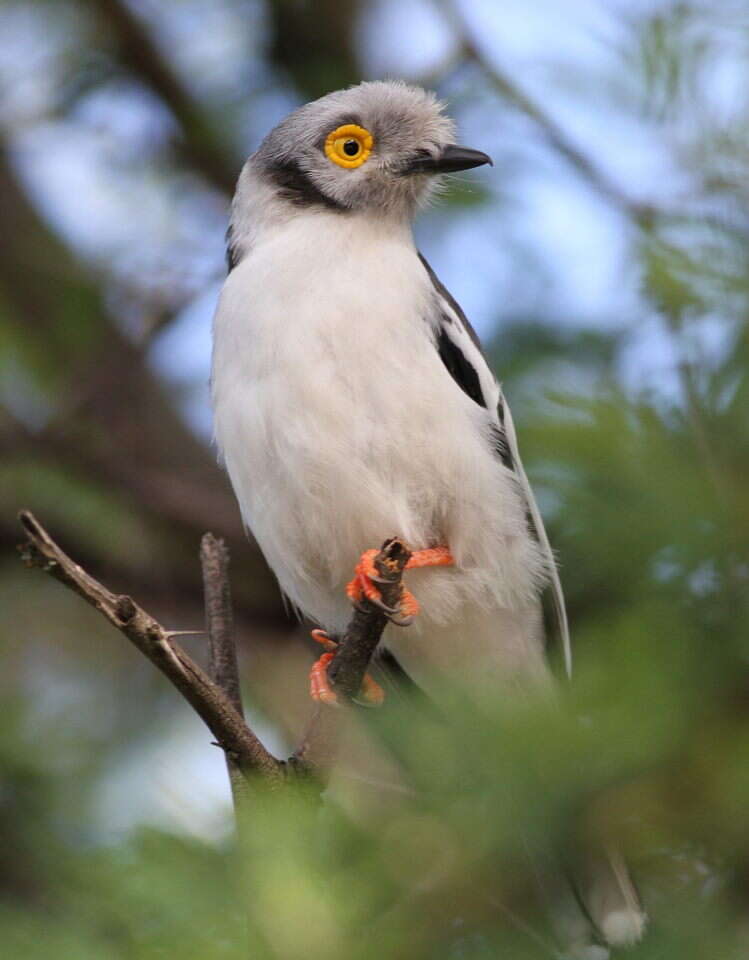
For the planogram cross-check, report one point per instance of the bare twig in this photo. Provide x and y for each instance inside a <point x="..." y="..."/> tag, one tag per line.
<point x="214" y="562"/>
<point x="155" y="642"/>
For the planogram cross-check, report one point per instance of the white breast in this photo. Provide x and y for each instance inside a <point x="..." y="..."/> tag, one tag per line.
<point x="340" y="426"/>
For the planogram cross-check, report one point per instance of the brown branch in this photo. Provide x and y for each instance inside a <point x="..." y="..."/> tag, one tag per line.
<point x="201" y="143"/>
<point x="348" y="666"/>
<point x="214" y="562"/>
<point x="156" y="643"/>
<point x="217" y="701"/>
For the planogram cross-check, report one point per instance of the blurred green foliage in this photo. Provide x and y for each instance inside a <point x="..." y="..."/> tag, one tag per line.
<point x="644" y="484"/>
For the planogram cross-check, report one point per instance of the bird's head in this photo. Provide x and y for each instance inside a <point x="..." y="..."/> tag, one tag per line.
<point x="376" y="146"/>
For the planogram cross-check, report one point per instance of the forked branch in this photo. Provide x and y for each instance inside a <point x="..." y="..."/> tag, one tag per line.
<point x="217" y="700"/>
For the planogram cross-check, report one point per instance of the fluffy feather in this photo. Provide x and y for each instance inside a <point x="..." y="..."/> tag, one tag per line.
<point x="339" y="425"/>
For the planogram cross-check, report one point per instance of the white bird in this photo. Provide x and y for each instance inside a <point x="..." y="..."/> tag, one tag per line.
<point x="352" y="400"/>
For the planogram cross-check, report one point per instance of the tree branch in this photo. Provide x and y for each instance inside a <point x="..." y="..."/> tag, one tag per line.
<point x="214" y="562"/>
<point x="642" y="214"/>
<point x="156" y="643"/>
<point x="218" y="701"/>
<point x="347" y="668"/>
<point x="201" y="143"/>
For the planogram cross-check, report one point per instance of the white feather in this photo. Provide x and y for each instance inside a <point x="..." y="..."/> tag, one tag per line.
<point x="340" y="426"/>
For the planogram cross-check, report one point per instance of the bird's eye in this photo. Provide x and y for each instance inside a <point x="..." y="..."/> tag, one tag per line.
<point x="349" y="145"/>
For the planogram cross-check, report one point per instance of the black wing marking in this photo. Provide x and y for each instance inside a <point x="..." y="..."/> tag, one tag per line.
<point x="464" y="374"/>
<point x="459" y="367"/>
<point x="461" y="352"/>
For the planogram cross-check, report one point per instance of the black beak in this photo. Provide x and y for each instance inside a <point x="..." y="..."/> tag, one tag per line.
<point x="452" y="159"/>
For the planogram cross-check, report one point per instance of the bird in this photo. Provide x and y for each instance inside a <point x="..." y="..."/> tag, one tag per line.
<point x="353" y="402"/>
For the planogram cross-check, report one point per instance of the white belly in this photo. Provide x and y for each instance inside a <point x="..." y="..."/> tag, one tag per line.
<point x="340" y="426"/>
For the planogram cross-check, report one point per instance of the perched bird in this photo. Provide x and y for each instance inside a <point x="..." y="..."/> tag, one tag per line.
<point x="352" y="400"/>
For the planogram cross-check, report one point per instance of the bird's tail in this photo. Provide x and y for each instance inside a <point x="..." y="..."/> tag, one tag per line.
<point x="611" y="900"/>
<point x="597" y="908"/>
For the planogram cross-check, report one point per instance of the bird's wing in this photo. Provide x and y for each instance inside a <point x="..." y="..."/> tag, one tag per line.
<point x="461" y="352"/>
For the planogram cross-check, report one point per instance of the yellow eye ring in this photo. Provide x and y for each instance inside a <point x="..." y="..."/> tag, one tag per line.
<point x="349" y="145"/>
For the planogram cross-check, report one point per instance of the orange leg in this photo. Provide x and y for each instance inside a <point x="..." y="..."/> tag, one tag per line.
<point x="370" y="695"/>
<point x="433" y="557"/>
<point x="366" y="576"/>
<point x="319" y="688"/>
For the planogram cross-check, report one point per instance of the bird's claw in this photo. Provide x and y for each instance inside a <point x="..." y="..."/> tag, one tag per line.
<point x="362" y="587"/>
<point x="390" y="612"/>
<point x="401" y="621"/>
<point x="319" y="686"/>
<point x="371" y="693"/>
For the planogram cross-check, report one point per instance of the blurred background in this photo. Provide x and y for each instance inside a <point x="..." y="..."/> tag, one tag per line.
<point x="603" y="261"/>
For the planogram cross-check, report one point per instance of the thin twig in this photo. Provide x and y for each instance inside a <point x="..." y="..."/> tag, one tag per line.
<point x="155" y="642"/>
<point x="214" y="562"/>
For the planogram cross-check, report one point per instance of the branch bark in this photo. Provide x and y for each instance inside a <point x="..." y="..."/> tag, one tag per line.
<point x="348" y="666"/>
<point x="217" y="700"/>
<point x="214" y="562"/>
<point x="157" y="644"/>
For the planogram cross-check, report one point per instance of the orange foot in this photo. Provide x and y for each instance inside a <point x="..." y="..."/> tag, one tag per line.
<point x="370" y="695"/>
<point x="366" y="576"/>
